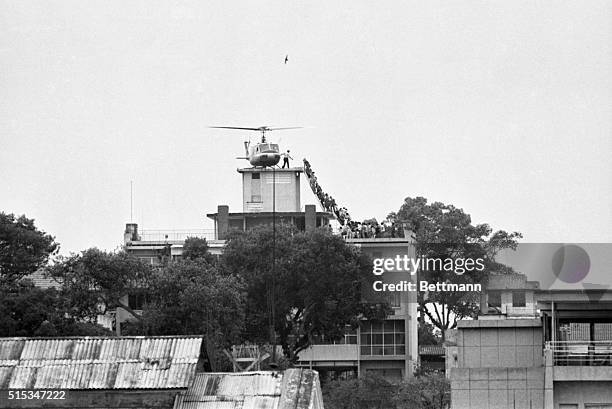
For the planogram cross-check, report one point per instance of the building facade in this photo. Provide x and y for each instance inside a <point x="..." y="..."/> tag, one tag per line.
<point x="554" y="352"/>
<point x="388" y="348"/>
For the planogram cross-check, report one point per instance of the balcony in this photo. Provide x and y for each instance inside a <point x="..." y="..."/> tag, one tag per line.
<point x="330" y="355"/>
<point x="579" y="361"/>
<point x="580" y="353"/>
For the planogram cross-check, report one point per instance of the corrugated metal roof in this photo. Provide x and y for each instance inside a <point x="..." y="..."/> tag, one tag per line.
<point x="293" y="388"/>
<point x="99" y="362"/>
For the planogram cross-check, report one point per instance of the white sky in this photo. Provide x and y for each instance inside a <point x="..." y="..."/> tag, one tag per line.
<point x="502" y="108"/>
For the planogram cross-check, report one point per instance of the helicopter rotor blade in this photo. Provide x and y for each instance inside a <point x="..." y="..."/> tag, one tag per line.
<point x="235" y="127"/>
<point x="280" y="129"/>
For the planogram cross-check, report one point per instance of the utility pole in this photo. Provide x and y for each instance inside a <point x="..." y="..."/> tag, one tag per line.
<point x="273" y="301"/>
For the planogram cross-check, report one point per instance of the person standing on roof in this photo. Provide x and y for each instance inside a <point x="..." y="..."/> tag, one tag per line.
<point x="286" y="158"/>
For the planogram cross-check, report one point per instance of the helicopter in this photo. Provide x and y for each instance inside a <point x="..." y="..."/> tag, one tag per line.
<point x="261" y="154"/>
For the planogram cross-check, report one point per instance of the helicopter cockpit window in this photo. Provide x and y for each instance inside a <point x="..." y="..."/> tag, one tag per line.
<point x="264" y="147"/>
<point x="274" y="147"/>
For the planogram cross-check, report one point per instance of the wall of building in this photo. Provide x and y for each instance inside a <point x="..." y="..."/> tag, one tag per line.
<point x="286" y="184"/>
<point x="497" y="388"/>
<point x="158" y="399"/>
<point x="583" y="395"/>
<point x="500" y="365"/>
<point x="386" y="348"/>
<point x="484" y="344"/>
<point x="404" y="304"/>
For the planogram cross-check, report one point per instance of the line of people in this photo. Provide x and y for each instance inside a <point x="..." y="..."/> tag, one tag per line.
<point x="370" y="229"/>
<point x="327" y="202"/>
<point x="348" y="228"/>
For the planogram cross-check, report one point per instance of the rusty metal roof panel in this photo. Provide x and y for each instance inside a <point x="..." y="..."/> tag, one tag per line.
<point x="10" y="350"/>
<point x="86" y="349"/>
<point x="181" y="403"/>
<point x="253" y="390"/>
<point x="50" y="377"/>
<point x="99" y="362"/>
<point x="5" y="376"/>
<point x="235" y="386"/>
<point x="47" y="349"/>
<point x="260" y="402"/>
<point x="102" y="376"/>
<point x="127" y="375"/>
<point x="22" y="377"/>
<point x="250" y="385"/>
<point x="155" y="348"/>
<point x="77" y="376"/>
<point x="185" y="348"/>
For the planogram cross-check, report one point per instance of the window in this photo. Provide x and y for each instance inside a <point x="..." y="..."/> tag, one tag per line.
<point x="350" y="337"/>
<point x="154" y="261"/>
<point x="255" y="188"/>
<point x="494" y="299"/>
<point x="389" y="373"/>
<point x="137" y="300"/>
<point x="518" y="299"/>
<point x="393" y="298"/>
<point x="383" y="338"/>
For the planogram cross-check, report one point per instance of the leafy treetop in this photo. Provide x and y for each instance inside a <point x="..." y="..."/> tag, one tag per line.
<point x="23" y="248"/>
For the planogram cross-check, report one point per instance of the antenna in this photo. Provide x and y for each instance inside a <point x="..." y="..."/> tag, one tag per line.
<point x="131" y="201"/>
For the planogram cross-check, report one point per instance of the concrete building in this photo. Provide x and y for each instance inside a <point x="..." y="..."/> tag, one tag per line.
<point x="259" y="188"/>
<point x="388" y="348"/>
<point x="553" y="352"/>
<point x="273" y="195"/>
<point x="509" y="295"/>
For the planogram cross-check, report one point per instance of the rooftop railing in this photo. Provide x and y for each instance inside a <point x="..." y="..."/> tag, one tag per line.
<point x="581" y="353"/>
<point x="176" y="235"/>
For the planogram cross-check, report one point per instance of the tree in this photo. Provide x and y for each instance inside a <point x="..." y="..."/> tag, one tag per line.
<point x="427" y="391"/>
<point x="427" y="334"/>
<point x="23" y="248"/>
<point x="430" y="391"/>
<point x="306" y="283"/>
<point x="193" y="297"/>
<point x="94" y="282"/>
<point x="28" y="311"/>
<point x="370" y="392"/>
<point x="196" y="248"/>
<point x="444" y="231"/>
<point x="24" y="308"/>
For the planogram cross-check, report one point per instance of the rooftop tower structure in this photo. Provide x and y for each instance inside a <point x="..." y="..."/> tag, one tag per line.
<point x="261" y="185"/>
<point x="268" y="195"/>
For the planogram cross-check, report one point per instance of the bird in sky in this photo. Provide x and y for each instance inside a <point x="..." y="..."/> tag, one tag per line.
<point x="286" y="58"/>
